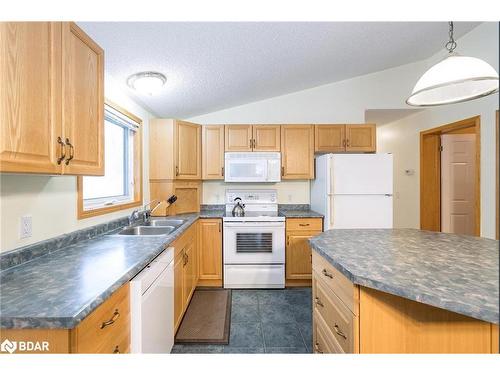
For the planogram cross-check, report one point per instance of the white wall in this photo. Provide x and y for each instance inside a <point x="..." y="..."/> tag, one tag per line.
<point x="347" y="101"/>
<point x="51" y="201"/>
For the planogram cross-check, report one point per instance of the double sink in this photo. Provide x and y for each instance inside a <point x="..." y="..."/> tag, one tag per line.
<point x="153" y="227"/>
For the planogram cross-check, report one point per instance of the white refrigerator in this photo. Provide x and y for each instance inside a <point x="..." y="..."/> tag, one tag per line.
<point x="353" y="190"/>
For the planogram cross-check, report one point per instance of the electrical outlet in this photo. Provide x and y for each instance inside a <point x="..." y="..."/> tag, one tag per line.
<point x="26" y="228"/>
<point x="290" y="198"/>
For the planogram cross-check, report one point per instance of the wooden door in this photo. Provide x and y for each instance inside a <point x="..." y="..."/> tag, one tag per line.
<point x="238" y="137"/>
<point x="210" y="262"/>
<point x="298" y="256"/>
<point x="188" y="151"/>
<point x="458" y="183"/>
<point x="189" y="272"/>
<point x="297" y="152"/>
<point x="178" y="289"/>
<point x="30" y="112"/>
<point x="329" y="138"/>
<point x="83" y="102"/>
<point x="266" y="138"/>
<point x="213" y="152"/>
<point x="361" y="138"/>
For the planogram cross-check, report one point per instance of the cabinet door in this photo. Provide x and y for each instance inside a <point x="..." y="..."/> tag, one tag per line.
<point x="210" y="252"/>
<point x="213" y="152"/>
<point x="83" y="102"/>
<point x="297" y="152"/>
<point x="188" y="151"/>
<point x="238" y="137"/>
<point x="361" y="138"/>
<point x="298" y="256"/>
<point x="189" y="272"/>
<point x="266" y="138"/>
<point x="30" y="77"/>
<point x="329" y="138"/>
<point x="178" y="290"/>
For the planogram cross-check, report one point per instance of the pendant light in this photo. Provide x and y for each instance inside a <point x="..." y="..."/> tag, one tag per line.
<point x="454" y="79"/>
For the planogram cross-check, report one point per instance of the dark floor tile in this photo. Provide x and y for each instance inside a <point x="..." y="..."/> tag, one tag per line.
<point x="299" y="296"/>
<point x="306" y="331"/>
<point x="244" y="297"/>
<point x="282" y="335"/>
<point x="247" y="335"/>
<point x="235" y="350"/>
<point x="302" y="313"/>
<point x="243" y="313"/>
<point x="271" y="297"/>
<point x="276" y="313"/>
<point x="281" y="350"/>
<point x="196" y="349"/>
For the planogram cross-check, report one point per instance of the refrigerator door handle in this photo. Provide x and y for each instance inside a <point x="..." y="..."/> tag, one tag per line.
<point x="388" y="195"/>
<point x="330" y="219"/>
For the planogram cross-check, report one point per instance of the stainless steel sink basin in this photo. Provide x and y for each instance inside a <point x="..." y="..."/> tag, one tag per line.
<point x="146" y="231"/>
<point x="165" y="222"/>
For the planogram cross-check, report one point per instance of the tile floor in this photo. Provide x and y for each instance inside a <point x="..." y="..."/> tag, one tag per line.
<point x="265" y="321"/>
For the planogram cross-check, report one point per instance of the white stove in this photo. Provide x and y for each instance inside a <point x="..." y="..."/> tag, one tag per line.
<point x="254" y="244"/>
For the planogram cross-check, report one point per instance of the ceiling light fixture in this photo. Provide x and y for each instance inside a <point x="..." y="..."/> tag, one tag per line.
<point x="454" y="79"/>
<point x="146" y="82"/>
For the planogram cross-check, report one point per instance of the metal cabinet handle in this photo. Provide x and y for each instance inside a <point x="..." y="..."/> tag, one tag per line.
<point x="113" y="319"/>
<point x="63" y="150"/>
<point x="317" y="348"/>
<point x="282" y="171"/>
<point x="254" y="143"/>
<point x="220" y="227"/>
<point x="347" y="143"/>
<point x="176" y="170"/>
<point x="71" y="151"/>
<point x="339" y="332"/>
<point x="117" y="350"/>
<point x="304" y="224"/>
<point x="222" y="171"/>
<point x="343" y="143"/>
<point x="318" y="302"/>
<point x="326" y="273"/>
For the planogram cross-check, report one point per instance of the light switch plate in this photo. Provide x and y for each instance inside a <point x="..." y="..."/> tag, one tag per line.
<point x="26" y="228"/>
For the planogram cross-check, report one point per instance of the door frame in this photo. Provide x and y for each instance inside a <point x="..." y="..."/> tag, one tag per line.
<point x="430" y="173"/>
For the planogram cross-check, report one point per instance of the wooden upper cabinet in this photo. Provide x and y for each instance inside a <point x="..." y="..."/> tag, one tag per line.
<point x="238" y="137"/>
<point x="361" y="138"/>
<point x="213" y="152"/>
<point x="30" y="117"/>
<point x="83" y="102"/>
<point x="187" y="150"/>
<point x="329" y="138"/>
<point x="51" y="99"/>
<point x="266" y="138"/>
<point x="297" y="152"/>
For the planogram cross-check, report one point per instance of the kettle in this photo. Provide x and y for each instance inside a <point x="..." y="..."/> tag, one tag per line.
<point x="239" y="208"/>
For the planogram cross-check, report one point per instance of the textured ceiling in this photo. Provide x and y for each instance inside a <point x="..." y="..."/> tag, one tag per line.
<point x="212" y="66"/>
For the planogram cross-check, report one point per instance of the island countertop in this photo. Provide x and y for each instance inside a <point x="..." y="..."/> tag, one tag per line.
<point x="453" y="272"/>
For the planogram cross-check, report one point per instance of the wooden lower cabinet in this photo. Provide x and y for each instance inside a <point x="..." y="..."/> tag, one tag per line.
<point x="348" y="318"/>
<point x="185" y="271"/>
<point x="298" y="268"/>
<point x="210" y="253"/>
<point x="106" y="330"/>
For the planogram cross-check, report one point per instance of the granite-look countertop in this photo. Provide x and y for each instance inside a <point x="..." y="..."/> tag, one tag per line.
<point x="453" y="272"/>
<point x="61" y="288"/>
<point x="300" y="214"/>
<point x="211" y="214"/>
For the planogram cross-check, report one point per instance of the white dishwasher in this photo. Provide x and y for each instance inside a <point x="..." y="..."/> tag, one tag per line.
<point x="152" y="306"/>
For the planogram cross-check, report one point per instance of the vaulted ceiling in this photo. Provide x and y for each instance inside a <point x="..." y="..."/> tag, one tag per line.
<point x="212" y="66"/>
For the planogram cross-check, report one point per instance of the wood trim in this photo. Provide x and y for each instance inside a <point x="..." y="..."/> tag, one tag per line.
<point x="497" y="180"/>
<point x="430" y="173"/>
<point x="84" y="214"/>
<point x="123" y="111"/>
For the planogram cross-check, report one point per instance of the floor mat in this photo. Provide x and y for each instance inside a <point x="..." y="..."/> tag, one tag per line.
<point x="207" y="319"/>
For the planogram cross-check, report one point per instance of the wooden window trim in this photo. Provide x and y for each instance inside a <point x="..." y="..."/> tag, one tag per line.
<point x="84" y="214"/>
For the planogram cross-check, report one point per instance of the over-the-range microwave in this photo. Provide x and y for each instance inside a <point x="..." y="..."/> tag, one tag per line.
<point x="252" y="167"/>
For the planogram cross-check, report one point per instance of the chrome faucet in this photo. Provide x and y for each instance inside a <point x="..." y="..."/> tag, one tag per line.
<point x="146" y="214"/>
<point x="134" y="216"/>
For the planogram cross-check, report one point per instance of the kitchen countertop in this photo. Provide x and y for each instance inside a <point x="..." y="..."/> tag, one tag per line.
<point x="453" y="272"/>
<point x="61" y="288"/>
<point x="299" y="213"/>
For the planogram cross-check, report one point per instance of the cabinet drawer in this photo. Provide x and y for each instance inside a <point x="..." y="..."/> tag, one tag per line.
<point x="338" y="318"/>
<point x="309" y="224"/>
<point x="324" y="343"/>
<point x="338" y="283"/>
<point x="107" y="329"/>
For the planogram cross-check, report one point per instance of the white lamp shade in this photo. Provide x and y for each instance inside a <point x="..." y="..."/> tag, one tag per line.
<point x="147" y="82"/>
<point x="454" y="79"/>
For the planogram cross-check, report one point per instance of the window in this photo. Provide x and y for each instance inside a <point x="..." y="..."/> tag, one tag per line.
<point x="121" y="185"/>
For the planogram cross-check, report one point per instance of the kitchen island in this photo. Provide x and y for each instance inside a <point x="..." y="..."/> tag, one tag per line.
<point x="404" y="291"/>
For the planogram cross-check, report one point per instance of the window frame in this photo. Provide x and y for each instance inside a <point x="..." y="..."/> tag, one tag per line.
<point x="83" y="213"/>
